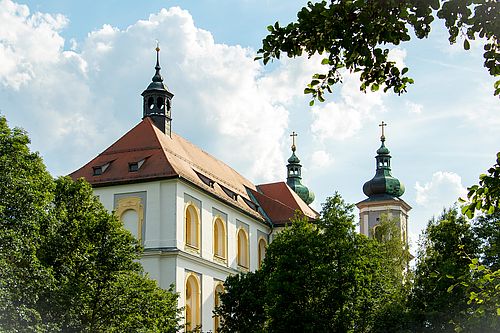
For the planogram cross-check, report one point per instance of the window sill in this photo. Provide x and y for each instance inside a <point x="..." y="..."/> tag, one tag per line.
<point x="243" y="268"/>
<point x="220" y="260"/>
<point x="191" y="249"/>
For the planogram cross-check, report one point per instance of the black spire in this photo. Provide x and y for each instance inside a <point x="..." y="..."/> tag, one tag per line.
<point x="158" y="100"/>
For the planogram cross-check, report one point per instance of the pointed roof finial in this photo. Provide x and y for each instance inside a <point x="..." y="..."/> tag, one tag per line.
<point x="382" y="137"/>
<point x="157" y="77"/>
<point x="293" y="135"/>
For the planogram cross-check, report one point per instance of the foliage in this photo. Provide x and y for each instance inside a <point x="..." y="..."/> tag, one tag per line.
<point x="484" y="288"/>
<point x="484" y="295"/>
<point x="353" y="34"/>
<point x="437" y="303"/>
<point x="66" y="264"/>
<point x="25" y="194"/>
<point x="487" y="229"/>
<point x="242" y="306"/>
<point x="484" y="197"/>
<point x="316" y="277"/>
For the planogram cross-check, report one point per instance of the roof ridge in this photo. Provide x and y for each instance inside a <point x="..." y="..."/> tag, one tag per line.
<point x="118" y="151"/>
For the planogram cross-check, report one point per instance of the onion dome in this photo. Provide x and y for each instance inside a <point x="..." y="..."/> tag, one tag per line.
<point x="383" y="183"/>
<point x="294" y="177"/>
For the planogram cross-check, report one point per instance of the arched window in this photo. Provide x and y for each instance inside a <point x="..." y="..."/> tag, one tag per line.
<point x="192" y="227"/>
<point x="193" y="305"/>
<point x="219" y="238"/>
<point x="151" y="103"/>
<point x="219" y="289"/>
<point x="160" y="103"/>
<point x="377" y="233"/>
<point x="262" y="250"/>
<point x="130" y="212"/>
<point x="243" y="259"/>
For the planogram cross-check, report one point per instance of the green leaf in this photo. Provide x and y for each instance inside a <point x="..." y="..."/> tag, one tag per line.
<point x="466" y="44"/>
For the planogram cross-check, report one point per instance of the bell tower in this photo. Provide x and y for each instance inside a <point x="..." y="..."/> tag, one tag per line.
<point x="294" y="175"/>
<point x="157" y="103"/>
<point x="383" y="192"/>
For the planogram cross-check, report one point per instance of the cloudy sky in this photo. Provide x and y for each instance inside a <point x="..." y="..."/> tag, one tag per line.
<point x="71" y="74"/>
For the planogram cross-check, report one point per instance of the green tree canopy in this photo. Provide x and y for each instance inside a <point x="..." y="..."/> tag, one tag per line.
<point x="66" y="264"/>
<point x="353" y="35"/>
<point x="484" y="197"/>
<point x="316" y="277"/>
<point x="437" y="303"/>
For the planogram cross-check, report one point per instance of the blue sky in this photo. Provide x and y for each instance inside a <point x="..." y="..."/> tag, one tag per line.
<point x="71" y="74"/>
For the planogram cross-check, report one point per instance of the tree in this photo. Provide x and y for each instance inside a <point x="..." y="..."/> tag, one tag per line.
<point x="99" y="284"/>
<point x="353" y="34"/>
<point x="437" y="302"/>
<point x="484" y="197"/>
<point x="26" y="190"/>
<point x="316" y="277"/>
<point x="242" y="303"/>
<point x="66" y="264"/>
<point x="484" y="289"/>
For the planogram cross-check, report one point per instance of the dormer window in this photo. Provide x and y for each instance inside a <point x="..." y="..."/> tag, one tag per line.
<point x="229" y="193"/>
<point x="207" y="181"/>
<point x="251" y="204"/>
<point x="135" y="166"/>
<point x="99" y="170"/>
<point x="132" y="167"/>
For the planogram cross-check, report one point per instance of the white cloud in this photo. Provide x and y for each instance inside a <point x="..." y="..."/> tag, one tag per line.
<point x="84" y="99"/>
<point x="343" y="119"/>
<point x="27" y="42"/>
<point x="441" y="191"/>
<point x="397" y="55"/>
<point x="321" y="159"/>
<point x="414" y="107"/>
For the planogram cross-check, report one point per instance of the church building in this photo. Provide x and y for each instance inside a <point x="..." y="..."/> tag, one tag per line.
<point x="198" y="220"/>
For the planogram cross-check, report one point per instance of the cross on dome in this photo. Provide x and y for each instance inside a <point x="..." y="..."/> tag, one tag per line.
<point x="293" y="135"/>
<point x="382" y="137"/>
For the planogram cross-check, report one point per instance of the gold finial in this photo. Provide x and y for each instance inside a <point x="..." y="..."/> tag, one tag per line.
<point x="157" y="46"/>
<point x="293" y="135"/>
<point x="382" y="137"/>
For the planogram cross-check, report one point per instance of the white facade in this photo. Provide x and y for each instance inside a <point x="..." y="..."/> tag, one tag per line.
<point x="172" y="253"/>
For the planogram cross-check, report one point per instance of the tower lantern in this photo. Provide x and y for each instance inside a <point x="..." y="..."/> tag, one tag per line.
<point x="294" y="175"/>
<point x="157" y="100"/>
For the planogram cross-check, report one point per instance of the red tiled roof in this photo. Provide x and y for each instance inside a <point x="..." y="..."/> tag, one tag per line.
<point x="169" y="157"/>
<point x="280" y="202"/>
